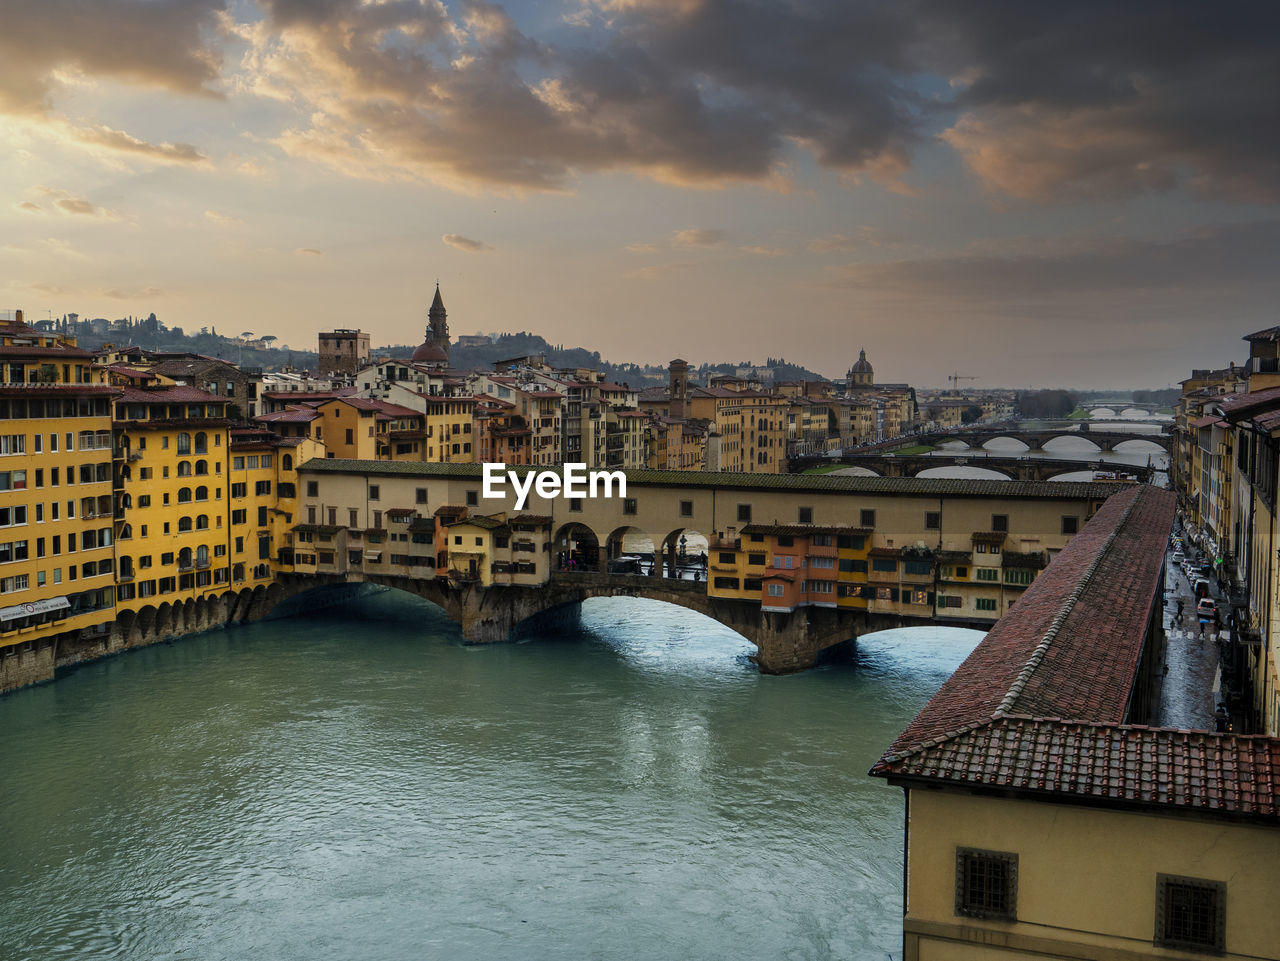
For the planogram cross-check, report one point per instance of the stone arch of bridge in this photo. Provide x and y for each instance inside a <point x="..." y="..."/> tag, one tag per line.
<point x="976" y="462"/>
<point x="1138" y="445"/>
<point x="682" y="552"/>
<point x="984" y="440"/>
<point x="1068" y="435"/>
<point x="576" y="546"/>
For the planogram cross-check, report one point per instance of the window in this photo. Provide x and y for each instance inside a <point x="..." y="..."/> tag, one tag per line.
<point x="932" y="520"/>
<point x="1000" y="523"/>
<point x="984" y="604"/>
<point x="263" y="487"/>
<point x="744" y="513"/>
<point x="776" y="590"/>
<point x="986" y="884"/>
<point x="805" y="515"/>
<point x="373" y="492"/>
<point x="420" y="495"/>
<point x="1070" y="525"/>
<point x="313" y="488"/>
<point x="239" y="490"/>
<point x="1018" y="575"/>
<point x="473" y="498"/>
<point x="851" y="542"/>
<point x="884" y="564"/>
<point x="917" y="567"/>
<point x="686" y="508"/>
<point x="628" y="505"/>
<point x="351" y="435"/>
<point x="822" y="562"/>
<point x="1191" y="913"/>
<point x="868" y="518"/>
<point x="728" y="558"/>
<point x="987" y="573"/>
<point x="757" y="559"/>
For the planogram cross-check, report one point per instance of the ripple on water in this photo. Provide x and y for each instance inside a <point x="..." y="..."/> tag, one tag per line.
<point x="368" y="787"/>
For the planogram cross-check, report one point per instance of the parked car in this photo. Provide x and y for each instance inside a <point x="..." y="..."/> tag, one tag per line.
<point x="1206" y="608"/>
<point x="1179" y="557"/>
<point x="1201" y="587"/>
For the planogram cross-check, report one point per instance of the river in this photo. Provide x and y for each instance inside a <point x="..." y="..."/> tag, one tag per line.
<point x="363" y="785"/>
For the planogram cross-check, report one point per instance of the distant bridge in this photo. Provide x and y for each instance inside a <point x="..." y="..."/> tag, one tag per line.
<point x="1015" y="468"/>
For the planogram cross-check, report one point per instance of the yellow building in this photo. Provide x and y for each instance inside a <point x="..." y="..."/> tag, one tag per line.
<point x="751" y="424"/>
<point x="450" y="430"/>
<point x="56" y="558"/>
<point x="500" y="549"/>
<point x="172" y="531"/>
<point x="1046" y="818"/>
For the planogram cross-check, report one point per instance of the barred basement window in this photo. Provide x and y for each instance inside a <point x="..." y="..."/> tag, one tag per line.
<point x="1191" y="913"/>
<point x="986" y="884"/>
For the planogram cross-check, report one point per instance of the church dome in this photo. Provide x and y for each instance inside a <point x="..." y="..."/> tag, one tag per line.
<point x="862" y="365"/>
<point x="430" y="353"/>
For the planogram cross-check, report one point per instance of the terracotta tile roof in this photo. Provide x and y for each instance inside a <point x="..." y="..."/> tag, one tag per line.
<point x="55" y="350"/>
<point x="1039" y="705"/>
<point x="1208" y="420"/>
<point x="1069" y="648"/>
<point x="294" y="415"/>
<point x="1218" y="773"/>
<point x="168" y="395"/>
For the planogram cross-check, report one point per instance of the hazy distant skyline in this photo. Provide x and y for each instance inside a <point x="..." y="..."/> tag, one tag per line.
<point x="1078" y="195"/>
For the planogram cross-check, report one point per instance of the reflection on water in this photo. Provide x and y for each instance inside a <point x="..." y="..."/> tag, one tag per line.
<point x="356" y="786"/>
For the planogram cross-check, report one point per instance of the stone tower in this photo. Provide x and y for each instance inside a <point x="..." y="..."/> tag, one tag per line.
<point x="437" y="319"/>
<point x="679" y="387"/>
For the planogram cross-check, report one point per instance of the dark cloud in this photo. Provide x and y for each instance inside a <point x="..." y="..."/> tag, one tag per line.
<point x="162" y="43"/>
<point x="1044" y="101"/>
<point x="1091" y="98"/>
<point x="1223" y="262"/>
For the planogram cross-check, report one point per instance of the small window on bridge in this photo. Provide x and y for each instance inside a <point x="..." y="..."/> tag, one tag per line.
<point x="628" y="505"/>
<point x="313" y="488"/>
<point x="473" y="498"/>
<point x="575" y="504"/>
<point x="744" y="513"/>
<point x="786" y="540"/>
<point x="420" y="495"/>
<point x="868" y="518"/>
<point x="805" y="515"/>
<point x="1070" y="525"/>
<point x="729" y="558"/>
<point x="933" y="520"/>
<point x="686" y="508"/>
<point x="1000" y="523"/>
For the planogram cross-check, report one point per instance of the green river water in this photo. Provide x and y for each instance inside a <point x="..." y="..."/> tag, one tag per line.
<point x="361" y="785"/>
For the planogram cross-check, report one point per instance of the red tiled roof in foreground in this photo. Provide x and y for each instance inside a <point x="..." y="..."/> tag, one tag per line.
<point x="1189" y="770"/>
<point x="1040" y="704"/>
<point x="1069" y="647"/>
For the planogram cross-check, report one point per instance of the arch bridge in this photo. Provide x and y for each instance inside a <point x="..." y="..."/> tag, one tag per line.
<point x="1104" y="440"/>
<point x="1014" y="468"/>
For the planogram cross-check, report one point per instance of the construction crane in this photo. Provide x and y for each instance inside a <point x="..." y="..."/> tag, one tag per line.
<point x="955" y="379"/>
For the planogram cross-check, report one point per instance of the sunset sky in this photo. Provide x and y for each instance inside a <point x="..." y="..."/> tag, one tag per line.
<point x="1078" y="194"/>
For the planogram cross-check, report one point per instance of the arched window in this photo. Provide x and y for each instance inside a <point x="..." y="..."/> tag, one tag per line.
<point x="287" y="462"/>
<point x="184" y="524"/>
<point x="184" y="495"/>
<point x="184" y="468"/>
<point x="184" y="557"/>
<point x="202" y="443"/>
<point x="126" y="501"/>
<point x="202" y="522"/>
<point x="202" y="556"/>
<point x="126" y="532"/>
<point x="202" y="467"/>
<point x="184" y="444"/>
<point x="202" y="493"/>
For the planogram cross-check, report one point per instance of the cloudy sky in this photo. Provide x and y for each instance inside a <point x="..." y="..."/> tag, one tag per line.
<point x="1070" y="194"/>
